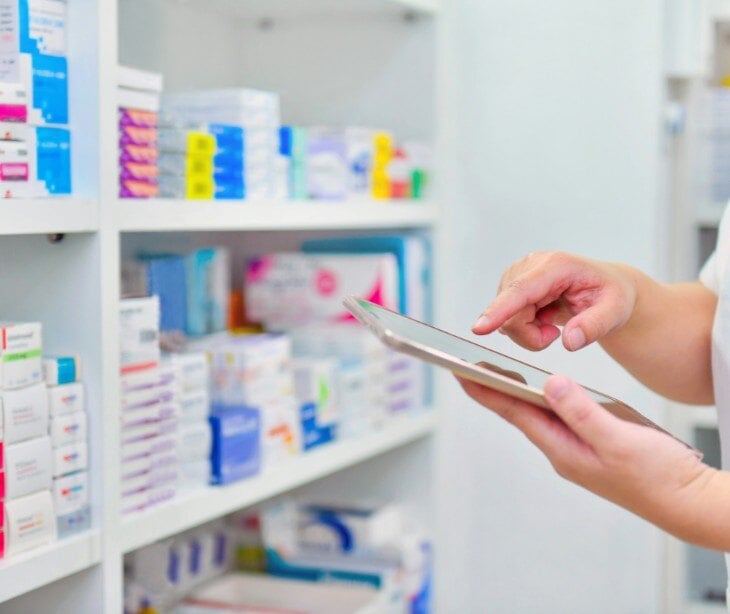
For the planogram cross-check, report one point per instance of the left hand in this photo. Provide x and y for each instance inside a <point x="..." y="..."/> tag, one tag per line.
<point x="637" y="467"/>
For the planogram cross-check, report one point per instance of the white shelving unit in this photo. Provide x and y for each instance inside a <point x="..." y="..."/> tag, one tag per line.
<point x="42" y="566"/>
<point x="160" y="215"/>
<point x="384" y="73"/>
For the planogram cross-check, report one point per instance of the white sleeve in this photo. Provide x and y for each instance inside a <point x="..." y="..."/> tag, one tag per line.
<point x="708" y="274"/>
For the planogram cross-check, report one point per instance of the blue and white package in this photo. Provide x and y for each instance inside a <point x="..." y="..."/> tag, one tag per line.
<point x="58" y="370"/>
<point x="315" y="385"/>
<point x="207" y="274"/>
<point x="236" y="452"/>
<point x="166" y="278"/>
<point x="53" y="147"/>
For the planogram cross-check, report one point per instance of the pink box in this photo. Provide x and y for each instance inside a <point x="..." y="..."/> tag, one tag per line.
<point x="132" y="188"/>
<point x="141" y="171"/>
<point x="13" y="113"/>
<point x="136" y="135"/>
<point x="138" y="153"/>
<point x="14" y="171"/>
<point x="142" y="119"/>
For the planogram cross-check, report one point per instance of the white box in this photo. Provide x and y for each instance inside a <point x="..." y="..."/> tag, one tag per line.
<point x="20" y="354"/>
<point x="138" y="100"/>
<point x="24" y="413"/>
<point x="71" y="493"/>
<point x="65" y="399"/>
<point x="195" y="406"/>
<point x="71" y="458"/>
<point x="68" y="429"/>
<point x="315" y="381"/>
<point x="194" y="370"/>
<point x="194" y="441"/>
<point x="30" y="522"/>
<point x="239" y="592"/>
<point x="28" y="467"/>
<point x="137" y="79"/>
<point x="139" y="333"/>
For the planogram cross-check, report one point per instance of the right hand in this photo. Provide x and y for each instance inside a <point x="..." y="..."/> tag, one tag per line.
<point x="588" y="298"/>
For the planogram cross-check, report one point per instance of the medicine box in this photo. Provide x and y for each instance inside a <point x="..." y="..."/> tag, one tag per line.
<point x="239" y="592"/>
<point x="236" y="450"/>
<point x="20" y="354"/>
<point x="28" y="467"/>
<point x="30" y="522"/>
<point x="59" y="370"/>
<point x="71" y="493"/>
<point x="70" y="459"/>
<point x="139" y="333"/>
<point x="68" y="429"/>
<point x="24" y="413"/>
<point x="286" y="290"/>
<point x="65" y="399"/>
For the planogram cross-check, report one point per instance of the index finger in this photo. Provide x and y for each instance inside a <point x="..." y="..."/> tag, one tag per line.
<point x="528" y="289"/>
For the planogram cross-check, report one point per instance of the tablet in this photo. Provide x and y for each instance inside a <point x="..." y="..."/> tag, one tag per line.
<point x="471" y="360"/>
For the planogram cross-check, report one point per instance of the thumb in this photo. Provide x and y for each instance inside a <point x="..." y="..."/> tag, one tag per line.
<point x="592" y="324"/>
<point x="578" y="410"/>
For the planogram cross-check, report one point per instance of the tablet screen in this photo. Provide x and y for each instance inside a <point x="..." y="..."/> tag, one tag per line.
<point x="443" y="342"/>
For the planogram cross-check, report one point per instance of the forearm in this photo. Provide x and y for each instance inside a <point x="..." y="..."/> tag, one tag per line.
<point x="666" y="342"/>
<point x="702" y="516"/>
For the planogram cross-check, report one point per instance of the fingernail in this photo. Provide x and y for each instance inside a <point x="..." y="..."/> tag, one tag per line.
<point x="482" y="322"/>
<point x="556" y="387"/>
<point x="576" y="339"/>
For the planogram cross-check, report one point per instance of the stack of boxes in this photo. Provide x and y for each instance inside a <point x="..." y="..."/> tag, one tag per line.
<point x="27" y="517"/>
<point x="186" y="163"/>
<point x="258" y="112"/>
<point x="68" y="429"/>
<point x="138" y="99"/>
<point x="228" y="162"/>
<point x="195" y="434"/>
<point x="150" y="415"/>
<point x="35" y="152"/>
<point x="252" y="397"/>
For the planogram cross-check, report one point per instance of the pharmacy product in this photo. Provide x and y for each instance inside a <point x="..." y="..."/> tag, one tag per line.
<point x="30" y="522"/>
<point x="20" y="354"/>
<point x="28" y="467"/>
<point x="68" y="429"/>
<point x="71" y="493"/>
<point x="59" y="370"/>
<point x="65" y="399"/>
<point x="24" y="413"/>
<point x="236" y="451"/>
<point x="285" y="290"/>
<point x="70" y="459"/>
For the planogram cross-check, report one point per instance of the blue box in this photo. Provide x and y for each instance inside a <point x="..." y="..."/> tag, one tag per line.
<point x="49" y="82"/>
<point x="53" y="147"/>
<point x="314" y="434"/>
<point x="236" y="450"/>
<point x="229" y="191"/>
<point x="166" y="278"/>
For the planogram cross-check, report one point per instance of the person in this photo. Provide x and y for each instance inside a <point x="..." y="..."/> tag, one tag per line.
<point x="663" y="335"/>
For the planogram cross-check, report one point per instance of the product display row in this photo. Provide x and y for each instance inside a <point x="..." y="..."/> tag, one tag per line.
<point x="43" y="443"/>
<point x="288" y="555"/>
<point x="231" y="144"/>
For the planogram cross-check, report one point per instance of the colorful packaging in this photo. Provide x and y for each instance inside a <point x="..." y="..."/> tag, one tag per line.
<point x="59" y="370"/>
<point x="315" y="382"/>
<point x="290" y="289"/>
<point x="20" y="354"/>
<point x="236" y="451"/>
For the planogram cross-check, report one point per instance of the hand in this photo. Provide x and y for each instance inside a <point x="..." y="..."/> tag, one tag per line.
<point x="637" y="467"/>
<point x="545" y="290"/>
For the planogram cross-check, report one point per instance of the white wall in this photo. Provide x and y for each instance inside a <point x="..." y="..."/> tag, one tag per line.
<point x="551" y="141"/>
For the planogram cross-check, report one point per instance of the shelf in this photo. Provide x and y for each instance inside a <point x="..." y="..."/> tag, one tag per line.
<point x="207" y="504"/>
<point x="293" y="10"/>
<point x="48" y="216"/>
<point x="30" y="570"/>
<point x="181" y="215"/>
